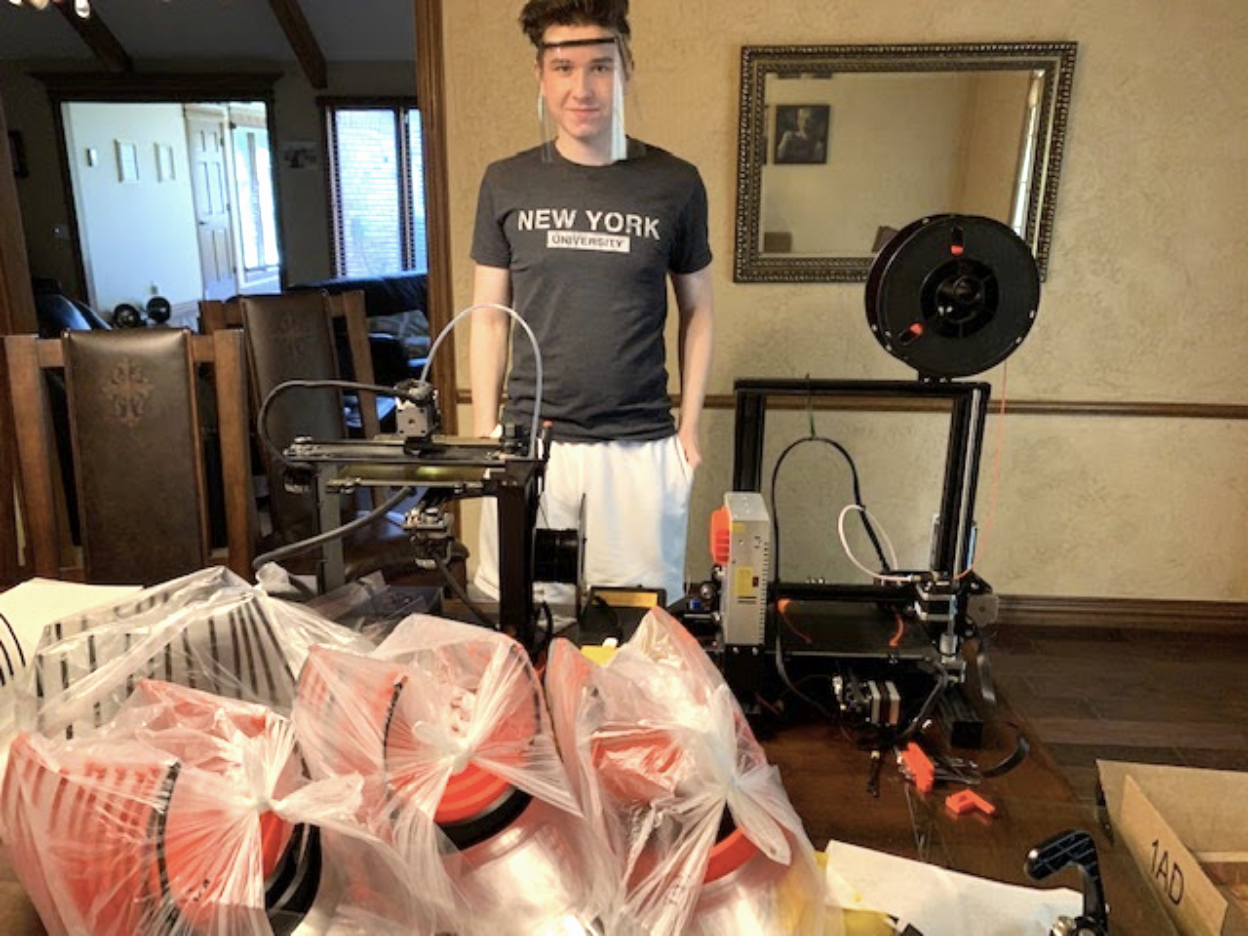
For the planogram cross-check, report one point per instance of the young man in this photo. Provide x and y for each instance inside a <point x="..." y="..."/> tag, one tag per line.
<point x="580" y="236"/>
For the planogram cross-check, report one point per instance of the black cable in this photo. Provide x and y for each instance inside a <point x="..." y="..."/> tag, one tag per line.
<point x="1021" y="749"/>
<point x="304" y="545"/>
<point x="988" y="693"/>
<point x="857" y="491"/>
<point x="784" y="676"/>
<point x="925" y="711"/>
<point x="550" y="632"/>
<point x="262" y="416"/>
<point x="462" y="594"/>
<point x="617" y="628"/>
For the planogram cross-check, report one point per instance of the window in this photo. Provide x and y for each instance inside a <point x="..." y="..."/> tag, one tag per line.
<point x="253" y="178"/>
<point x="377" y="188"/>
<point x="1027" y="155"/>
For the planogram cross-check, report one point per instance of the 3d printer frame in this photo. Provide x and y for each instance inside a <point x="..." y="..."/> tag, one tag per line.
<point x="969" y="409"/>
<point x="952" y="546"/>
<point x="449" y="468"/>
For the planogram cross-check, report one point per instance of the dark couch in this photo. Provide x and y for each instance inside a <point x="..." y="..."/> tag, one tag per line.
<point x="55" y="312"/>
<point x="398" y="326"/>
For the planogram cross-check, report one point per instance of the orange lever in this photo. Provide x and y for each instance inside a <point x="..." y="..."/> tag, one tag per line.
<point x="920" y="767"/>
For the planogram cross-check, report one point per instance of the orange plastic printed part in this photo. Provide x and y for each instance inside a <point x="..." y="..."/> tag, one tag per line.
<point x="920" y="767"/>
<point x="721" y="536"/>
<point x="965" y="801"/>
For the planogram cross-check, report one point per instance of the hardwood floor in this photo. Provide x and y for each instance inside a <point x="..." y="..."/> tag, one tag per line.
<point x="1126" y="694"/>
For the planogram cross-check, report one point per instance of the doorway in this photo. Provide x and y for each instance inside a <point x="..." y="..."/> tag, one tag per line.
<point x="173" y="201"/>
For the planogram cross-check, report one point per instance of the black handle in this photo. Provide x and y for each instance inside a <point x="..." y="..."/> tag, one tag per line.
<point x="1074" y="847"/>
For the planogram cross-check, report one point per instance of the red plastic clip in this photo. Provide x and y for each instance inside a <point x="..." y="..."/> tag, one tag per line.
<point x="919" y="767"/>
<point x="965" y="801"/>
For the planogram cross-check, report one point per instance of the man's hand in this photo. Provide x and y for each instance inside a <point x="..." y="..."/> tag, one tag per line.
<point x="689" y="445"/>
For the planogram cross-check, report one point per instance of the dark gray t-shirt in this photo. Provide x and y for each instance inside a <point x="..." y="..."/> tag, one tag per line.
<point x="589" y="249"/>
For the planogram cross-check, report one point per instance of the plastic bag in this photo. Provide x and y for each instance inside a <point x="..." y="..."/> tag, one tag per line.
<point x="161" y="823"/>
<point x="24" y="611"/>
<point x="209" y="630"/>
<point x="663" y="760"/>
<point x="445" y="728"/>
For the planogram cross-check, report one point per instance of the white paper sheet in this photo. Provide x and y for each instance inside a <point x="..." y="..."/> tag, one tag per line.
<point x="938" y="902"/>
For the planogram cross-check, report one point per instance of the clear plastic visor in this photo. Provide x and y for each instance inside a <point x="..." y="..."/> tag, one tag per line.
<point x="586" y="78"/>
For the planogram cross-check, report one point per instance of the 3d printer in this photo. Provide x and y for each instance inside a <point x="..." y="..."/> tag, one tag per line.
<point x="950" y="296"/>
<point x="427" y="470"/>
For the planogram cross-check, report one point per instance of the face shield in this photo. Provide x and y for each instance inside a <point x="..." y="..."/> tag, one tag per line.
<point x="581" y="89"/>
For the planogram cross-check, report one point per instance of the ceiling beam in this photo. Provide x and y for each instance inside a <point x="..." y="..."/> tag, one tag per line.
<point x="302" y="40"/>
<point x="98" y="37"/>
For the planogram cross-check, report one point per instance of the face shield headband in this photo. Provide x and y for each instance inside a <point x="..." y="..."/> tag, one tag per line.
<point x="619" y="140"/>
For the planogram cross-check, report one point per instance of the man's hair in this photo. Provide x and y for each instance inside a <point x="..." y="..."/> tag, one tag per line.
<point x="539" y="15"/>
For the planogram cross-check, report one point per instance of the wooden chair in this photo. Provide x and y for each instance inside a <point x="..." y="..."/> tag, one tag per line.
<point x="139" y="433"/>
<point x="346" y="308"/>
<point x="290" y="336"/>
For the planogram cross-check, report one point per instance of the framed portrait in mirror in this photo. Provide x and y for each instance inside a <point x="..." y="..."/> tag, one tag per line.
<point x="802" y="134"/>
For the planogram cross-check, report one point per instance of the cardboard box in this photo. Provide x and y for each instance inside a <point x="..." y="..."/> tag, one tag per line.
<point x="1188" y="832"/>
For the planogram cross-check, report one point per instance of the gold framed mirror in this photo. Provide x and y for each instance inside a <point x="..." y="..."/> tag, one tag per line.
<point x="842" y="145"/>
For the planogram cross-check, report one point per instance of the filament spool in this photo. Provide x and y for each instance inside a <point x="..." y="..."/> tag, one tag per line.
<point x="952" y="295"/>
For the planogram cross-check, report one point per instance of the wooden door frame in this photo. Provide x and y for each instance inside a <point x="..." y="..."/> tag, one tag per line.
<point x="17" y="316"/>
<point x="156" y="88"/>
<point x="431" y="99"/>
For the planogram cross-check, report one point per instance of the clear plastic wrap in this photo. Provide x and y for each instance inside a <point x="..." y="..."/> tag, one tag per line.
<point x="161" y="823"/>
<point x="445" y="730"/>
<point x="663" y="760"/>
<point x="209" y="630"/>
<point x="24" y="611"/>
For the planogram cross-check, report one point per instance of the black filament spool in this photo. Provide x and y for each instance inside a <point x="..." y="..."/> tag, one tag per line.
<point x="557" y="556"/>
<point x="291" y="890"/>
<point x="953" y="295"/>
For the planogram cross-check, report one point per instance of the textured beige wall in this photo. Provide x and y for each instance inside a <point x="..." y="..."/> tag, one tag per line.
<point x="1148" y="273"/>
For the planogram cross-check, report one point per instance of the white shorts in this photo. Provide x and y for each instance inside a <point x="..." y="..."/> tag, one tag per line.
<point x="636" y="516"/>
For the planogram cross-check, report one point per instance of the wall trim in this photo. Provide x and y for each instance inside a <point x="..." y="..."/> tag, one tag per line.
<point x="1137" y="410"/>
<point x="1178" y="616"/>
<point x="1144" y="410"/>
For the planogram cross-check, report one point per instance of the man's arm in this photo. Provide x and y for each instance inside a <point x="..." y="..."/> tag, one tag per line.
<point x="697" y="334"/>
<point x="488" y="346"/>
<point x="782" y="149"/>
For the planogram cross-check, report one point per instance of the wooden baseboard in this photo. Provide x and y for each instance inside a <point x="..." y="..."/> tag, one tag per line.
<point x="1211" y="617"/>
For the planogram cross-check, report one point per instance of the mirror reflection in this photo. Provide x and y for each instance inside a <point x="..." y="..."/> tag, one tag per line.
<point x="842" y="145"/>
